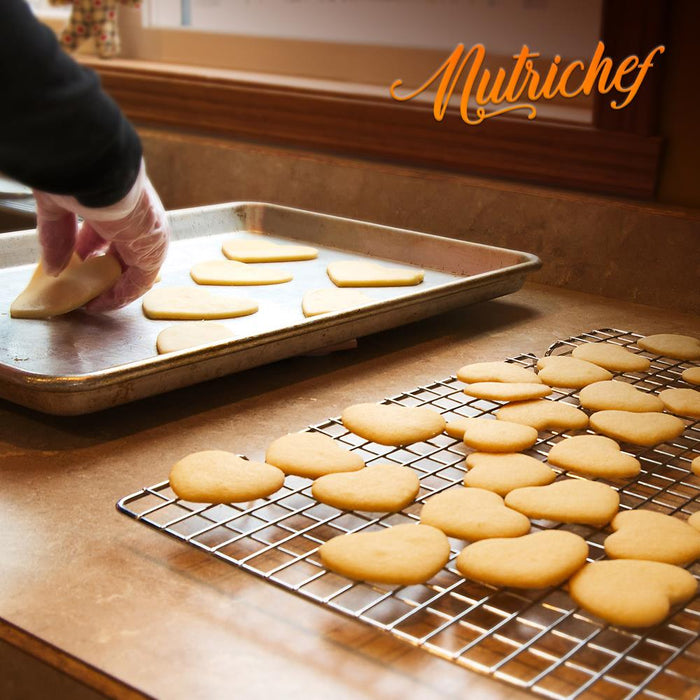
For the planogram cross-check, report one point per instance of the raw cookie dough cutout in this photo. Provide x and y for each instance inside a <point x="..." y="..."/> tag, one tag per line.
<point x="612" y="357"/>
<point x="388" y="424"/>
<point x="190" y="334"/>
<point x="261" y="250"/>
<point x="233" y="272"/>
<point x="332" y="299"/>
<point x="193" y="303"/>
<point x="361" y="273"/>
<point x="80" y="282"/>
<point x="501" y="473"/>
<point x="593" y="455"/>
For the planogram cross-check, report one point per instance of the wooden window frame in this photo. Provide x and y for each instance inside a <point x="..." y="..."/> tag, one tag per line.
<point x="619" y="154"/>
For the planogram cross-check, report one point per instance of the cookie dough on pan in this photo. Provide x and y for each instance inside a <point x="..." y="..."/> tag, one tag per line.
<point x="332" y="299"/>
<point x="190" y="334"/>
<point x="501" y="473"/>
<point x="612" y="357"/>
<point x="261" y="250"/>
<point x="81" y="281"/>
<point x="389" y="424"/>
<point x="193" y="303"/>
<point x="402" y="554"/>
<point x="311" y="455"/>
<point x="385" y="488"/>
<point x="232" y="272"/>
<point x="216" y="476"/>
<point x="361" y="273"/>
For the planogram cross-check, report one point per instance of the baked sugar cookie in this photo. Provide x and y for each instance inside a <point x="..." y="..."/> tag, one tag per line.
<point x="618" y="396"/>
<point x="593" y="455"/>
<point x="501" y="473"/>
<point x="543" y="414"/>
<point x="81" y="281"/>
<point x="261" y="250"/>
<point x="638" y="428"/>
<point x="380" y="488"/>
<point x="193" y="303"/>
<point x="232" y="272"/>
<point x="691" y="375"/>
<point x="364" y="273"/>
<point x="542" y="559"/>
<point x="332" y="299"/>
<point x="694" y="520"/>
<point x="612" y="357"/>
<point x="496" y="372"/>
<point x="472" y="514"/>
<point x="488" y="435"/>
<point x="567" y="501"/>
<point x="388" y="424"/>
<point x="631" y="593"/>
<point x="679" y="347"/>
<point x="403" y="554"/>
<point x="311" y="455"/>
<point x="215" y="476"/>
<point x="558" y="370"/>
<point x="646" y="534"/>
<point x="507" y="391"/>
<point x="189" y="334"/>
<point x="682" y="402"/>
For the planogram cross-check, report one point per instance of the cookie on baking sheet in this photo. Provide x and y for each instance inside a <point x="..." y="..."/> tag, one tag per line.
<point x="501" y="473"/>
<point x="616" y="395"/>
<point x="682" y="402"/>
<point x="694" y="520"/>
<point x="365" y="273"/>
<point x="472" y="514"/>
<point x="612" y="357"/>
<point x="691" y="375"/>
<point x="507" y="391"/>
<point x="638" y="428"/>
<point x="646" y="534"/>
<point x="567" y="501"/>
<point x="311" y="455"/>
<point x="402" y="554"/>
<point x="233" y="272"/>
<point x="388" y="424"/>
<point x="488" y="435"/>
<point x="559" y="370"/>
<point x="216" y="476"/>
<point x="380" y="488"/>
<point x="543" y="414"/>
<point x="194" y="303"/>
<point x="262" y="250"/>
<point x="542" y="559"/>
<point x="331" y="299"/>
<point x="496" y="372"/>
<point x="189" y="334"/>
<point x="631" y="593"/>
<point x="679" y="347"/>
<point x="593" y="455"/>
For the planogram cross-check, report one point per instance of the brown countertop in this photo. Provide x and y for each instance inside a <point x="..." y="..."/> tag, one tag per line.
<point x="119" y="606"/>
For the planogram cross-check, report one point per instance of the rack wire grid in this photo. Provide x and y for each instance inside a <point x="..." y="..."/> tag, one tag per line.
<point x="538" y="640"/>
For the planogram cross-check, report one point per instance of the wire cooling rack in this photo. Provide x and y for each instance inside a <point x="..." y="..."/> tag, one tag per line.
<point x="534" y="639"/>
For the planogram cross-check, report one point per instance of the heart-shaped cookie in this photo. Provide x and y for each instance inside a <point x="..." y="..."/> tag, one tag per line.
<point x="638" y="428"/>
<point x="567" y="501"/>
<point x="631" y="593"/>
<point x="194" y="303"/>
<point x="190" y="334"/>
<point x="403" y="554"/>
<point x="311" y="455"/>
<point x="234" y="272"/>
<point x="488" y="435"/>
<point x="501" y="473"/>
<point x="472" y="514"/>
<point x="379" y="488"/>
<point x="332" y="299"/>
<point x="543" y="414"/>
<point x="388" y="424"/>
<point x="558" y="370"/>
<point x="679" y="347"/>
<point x="496" y="372"/>
<point x="612" y="357"/>
<point x="618" y="396"/>
<point x="261" y="250"/>
<point x="694" y="520"/>
<point x="545" y="558"/>
<point x="691" y="375"/>
<point x="365" y="273"/>
<point x="216" y="476"/>
<point x="646" y="534"/>
<point x="682" y="402"/>
<point x="507" y="391"/>
<point x="593" y="455"/>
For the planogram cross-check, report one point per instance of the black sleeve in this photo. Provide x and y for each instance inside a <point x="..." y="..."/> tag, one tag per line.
<point x="59" y="132"/>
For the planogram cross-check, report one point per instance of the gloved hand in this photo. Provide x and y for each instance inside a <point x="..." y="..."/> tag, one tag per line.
<point x="135" y="230"/>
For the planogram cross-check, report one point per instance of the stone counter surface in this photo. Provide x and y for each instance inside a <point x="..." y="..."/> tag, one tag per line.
<point x="128" y="611"/>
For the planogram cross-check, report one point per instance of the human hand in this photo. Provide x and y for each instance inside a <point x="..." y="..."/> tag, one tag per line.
<point x="135" y="231"/>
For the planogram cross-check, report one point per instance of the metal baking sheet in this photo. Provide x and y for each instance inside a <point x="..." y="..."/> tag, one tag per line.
<point x="538" y="640"/>
<point x="80" y="363"/>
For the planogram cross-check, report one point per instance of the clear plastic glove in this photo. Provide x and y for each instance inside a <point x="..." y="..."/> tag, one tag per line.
<point x="135" y="231"/>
